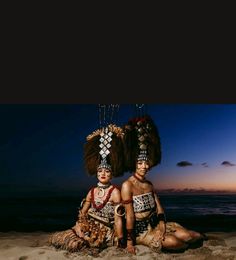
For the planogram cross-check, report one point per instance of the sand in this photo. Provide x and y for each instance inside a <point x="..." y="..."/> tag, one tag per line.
<point x="30" y="246"/>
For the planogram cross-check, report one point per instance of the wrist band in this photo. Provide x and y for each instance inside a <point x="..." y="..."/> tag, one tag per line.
<point x="130" y="235"/>
<point x="121" y="243"/>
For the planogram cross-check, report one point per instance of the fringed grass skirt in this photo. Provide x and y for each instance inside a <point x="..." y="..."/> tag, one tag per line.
<point x="147" y="237"/>
<point x="96" y="235"/>
<point x="67" y="240"/>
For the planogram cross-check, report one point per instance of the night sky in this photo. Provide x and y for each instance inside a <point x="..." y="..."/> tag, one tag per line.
<point x="41" y="146"/>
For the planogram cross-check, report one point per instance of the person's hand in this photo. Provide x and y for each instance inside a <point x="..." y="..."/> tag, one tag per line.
<point x="162" y="229"/>
<point x="131" y="249"/>
<point x="78" y="230"/>
<point x="160" y="233"/>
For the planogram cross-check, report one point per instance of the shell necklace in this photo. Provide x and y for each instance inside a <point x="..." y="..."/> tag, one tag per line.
<point x="98" y="207"/>
<point x="101" y="189"/>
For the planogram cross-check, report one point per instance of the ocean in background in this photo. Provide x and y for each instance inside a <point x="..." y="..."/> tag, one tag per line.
<point x="203" y="213"/>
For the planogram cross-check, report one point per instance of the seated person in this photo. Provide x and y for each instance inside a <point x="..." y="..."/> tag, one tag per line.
<point x="145" y="217"/>
<point x="98" y="226"/>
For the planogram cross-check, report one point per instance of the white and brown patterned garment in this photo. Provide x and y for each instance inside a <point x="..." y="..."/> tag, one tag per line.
<point x="147" y="228"/>
<point x="97" y="226"/>
<point x="144" y="202"/>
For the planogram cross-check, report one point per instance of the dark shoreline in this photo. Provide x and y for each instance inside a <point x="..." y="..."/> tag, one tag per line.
<point x="207" y="223"/>
<point x="205" y="213"/>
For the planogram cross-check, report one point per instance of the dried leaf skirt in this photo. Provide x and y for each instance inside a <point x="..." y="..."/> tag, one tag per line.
<point x="97" y="235"/>
<point x="147" y="236"/>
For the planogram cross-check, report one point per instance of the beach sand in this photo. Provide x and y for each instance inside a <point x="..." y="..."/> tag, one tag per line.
<point x="32" y="246"/>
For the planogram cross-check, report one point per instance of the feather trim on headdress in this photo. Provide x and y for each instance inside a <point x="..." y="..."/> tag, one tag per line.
<point x="141" y="141"/>
<point x="113" y="157"/>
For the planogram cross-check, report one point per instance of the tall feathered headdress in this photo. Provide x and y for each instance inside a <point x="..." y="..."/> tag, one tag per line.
<point x="141" y="141"/>
<point x="104" y="147"/>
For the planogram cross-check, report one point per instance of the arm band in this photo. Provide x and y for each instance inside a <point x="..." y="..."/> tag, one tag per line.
<point x="127" y="201"/>
<point x="82" y="203"/>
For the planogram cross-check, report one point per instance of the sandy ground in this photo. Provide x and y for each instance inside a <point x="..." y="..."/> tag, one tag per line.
<point x="29" y="246"/>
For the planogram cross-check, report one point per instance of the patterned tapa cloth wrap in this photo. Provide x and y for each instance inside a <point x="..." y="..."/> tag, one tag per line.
<point x="98" y="229"/>
<point x="147" y="228"/>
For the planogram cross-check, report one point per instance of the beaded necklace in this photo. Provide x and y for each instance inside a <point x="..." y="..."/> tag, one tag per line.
<point x="141" y="180"/>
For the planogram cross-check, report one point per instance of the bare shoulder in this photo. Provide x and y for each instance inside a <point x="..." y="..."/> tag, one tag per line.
<point x="115" y="195"/>
<point x="89" y="195"/>
<point x="127" y="185"/>
<point x="116" y="191"/>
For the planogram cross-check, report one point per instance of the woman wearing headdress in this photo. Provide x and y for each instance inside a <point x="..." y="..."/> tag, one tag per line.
<point x="99" y="221"/>
<point x="145" y="217"/>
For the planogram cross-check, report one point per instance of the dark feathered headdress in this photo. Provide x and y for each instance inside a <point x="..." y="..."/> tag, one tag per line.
<point x="104" y="149"/>
<point x="141" y="142"/>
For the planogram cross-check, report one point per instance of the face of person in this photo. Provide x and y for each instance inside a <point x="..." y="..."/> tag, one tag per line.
<point x="142" y="167"/>
<point x="104" y="175"/>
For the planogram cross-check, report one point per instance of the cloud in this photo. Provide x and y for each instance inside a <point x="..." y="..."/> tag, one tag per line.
<point x="226" y="163"/>
<point x="205" y="164"/>
<point x="193" y="191"/>
<point x="184" y="164"/>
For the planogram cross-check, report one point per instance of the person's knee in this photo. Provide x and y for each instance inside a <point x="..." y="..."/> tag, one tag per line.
<point x="172" y="242"/>
<point x="195" y="234"/>
<point x="183" y="235"/>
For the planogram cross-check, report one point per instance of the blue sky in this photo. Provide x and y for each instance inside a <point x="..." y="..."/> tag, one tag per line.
<point x="41" y="145"/>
